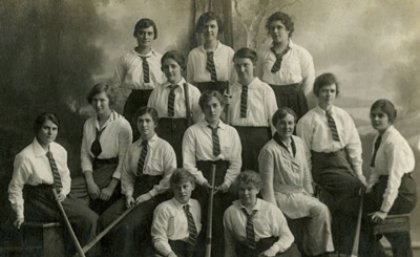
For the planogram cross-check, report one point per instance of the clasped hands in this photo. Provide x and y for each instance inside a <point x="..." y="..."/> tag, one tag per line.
<point x="223" y="188"/>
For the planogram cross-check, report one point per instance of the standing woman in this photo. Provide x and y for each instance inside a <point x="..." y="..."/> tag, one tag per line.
<point x="106" y="137"/>
<point x="287" y="183"/>
<point x="391" y="185"/>
<point x="253" y="103"/>
<point x="212" y="142"/>
<point x="40" y="168"/>
<point x="334" y="152"/>
<point x="287" y="67"/>
<point x="139" y="70"/>
<point x="176" y="102"/>
<point x="210" y="65"/>
<point x="147" y="168"/>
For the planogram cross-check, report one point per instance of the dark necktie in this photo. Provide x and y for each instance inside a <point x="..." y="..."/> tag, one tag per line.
<point x="210" y="66"/>
<point x="142" y="158"/>
<point x="244" y="101"/>
<point x="171" y="100"/>
<point x="375" y="151"/>
<point x="332" y="125"/>
<point x="56" y="175"/>
<point x="192" y="230"/>
<point x="146" y="75"/>
<point x="96" y="148"/>
<point x="215" y="140"/>
<point x="276" y="138"/>
<point x="250" y="233"/>
<point x="279" y="59"/>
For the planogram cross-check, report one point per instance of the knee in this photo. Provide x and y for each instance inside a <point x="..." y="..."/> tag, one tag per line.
<point x="90" y="219"/>
<point x="321" y="211"/>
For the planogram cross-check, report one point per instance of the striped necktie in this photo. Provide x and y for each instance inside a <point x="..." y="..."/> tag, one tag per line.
<point x="250" y="233"/>
<point x="244" y="101"/>
<point x="142" y="158"/>
<point x="171" y="100"/>
<point x="192" y="230"/>
<point x="210" y="66"/>
<point x="279" y="59"/>
<point x="215" y="141"/>
<point x="377" y="144"/>
<point x="146" y="75"/>
<point x="56" y="175"/>
<point x="96" y="147"/>
<point x="332" y="125"/>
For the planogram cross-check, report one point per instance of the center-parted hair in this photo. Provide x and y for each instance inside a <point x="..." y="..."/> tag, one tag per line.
<point x="248" y="53"/>
<point x="143" y="24"/>
<point x="284" y="18"/>
<point x="207" y="95"/>
<point x="206" y="17"/>
<point x="43" y="117"/>
<point x="281" y="113"/>
<point x="387" y="107"/>
<point x="181" y="175"/>
<point x="326" y="79"/>
<point x="143" y="110"/>
<point x="102" y="87"/>
<point x="248" y="177"/>
<point x="176" y="56"/>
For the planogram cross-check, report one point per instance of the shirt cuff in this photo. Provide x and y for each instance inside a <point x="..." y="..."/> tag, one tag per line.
<point x="153" y="193"/>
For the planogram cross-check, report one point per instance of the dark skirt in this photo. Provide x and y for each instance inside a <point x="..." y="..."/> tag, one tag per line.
<point x="220" y="86"/>
<point x="136" y="99"/>
<point x="243" y="250"/>
<point x="172" y="130"/>
<point x="291" y="96"/>
<point x="252" y="139"/>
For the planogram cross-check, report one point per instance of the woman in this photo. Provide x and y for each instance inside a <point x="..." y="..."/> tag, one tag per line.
<point x="147" y="169"/>
<point x="106" y="137"/>
<point x="40" y="168"/>
<point x="391" y="187"/>
<point x="210" y="65"/>
<point x="334" y="154"/>
<point x="207" y="143"/>
<point x="176" y="102"/>
<point x="252" y="105"/>
<point x="287" y="182"/>
<point x="287" y="67"/>
<point x="139" y="70"/>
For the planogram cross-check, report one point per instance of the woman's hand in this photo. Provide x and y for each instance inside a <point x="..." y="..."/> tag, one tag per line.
<point x="93" y="190"/>
<point x="223" y="188"/>
<point x="18" y="222"/>
<point x="106" y="193"/>
<point x="172" y="254"/>
<point x="143" y="198"/>
<point x="378" y="216"/>
<point x="129" y="201"/>
<point x="61" y="196"/>
<point x="267" y="253"/>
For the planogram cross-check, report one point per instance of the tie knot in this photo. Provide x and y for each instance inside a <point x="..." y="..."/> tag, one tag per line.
<point x="210" y="54"/>
<point x="144" y="143"/>
<point x="186" y="208"/>
<point x="144" y="58"/>
<point x="329" y="112"/>
<point x="214" y="130"/>
<point x="49" y="154"/>
<point x="173" y="87"/>
<point x="249" y="215"/>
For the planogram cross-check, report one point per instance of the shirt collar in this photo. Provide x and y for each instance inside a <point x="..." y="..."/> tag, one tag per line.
<point x="256" y="207"/>
<point x="151" y="53"/>
<point x="113" y="116"/>
<point x="256" y="81"/>
<point x="324" y="112"/>
<point x="180" y="205"/>
<point x="215" y="50"/>
<point x="38" y="149"/>
<point x="387" y="132"/>
<point x="204" y="123"/>
<point x="180" y="83"/>
<point x="150" y="142"/>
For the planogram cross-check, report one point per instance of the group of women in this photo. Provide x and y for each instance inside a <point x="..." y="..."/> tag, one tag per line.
<point x="221" y="115"/>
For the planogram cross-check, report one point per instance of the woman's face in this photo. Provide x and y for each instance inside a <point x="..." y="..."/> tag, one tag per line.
<point x="100" y="103"/>
<point x="285" y="126"/>
<point x="172" y="70"/>
<point x="278" y="32"/>
<point x="47" y="133"/>
<point x="212" y="110"/>
<point x="145" y="37"/>
<point x="247" y="194"/>
<point x="326" y="95"/>
<point x="210" y="30"/>
<point x="146" y="126"/>
<point x="245" y="70"/>
<point x="380" y="120"/>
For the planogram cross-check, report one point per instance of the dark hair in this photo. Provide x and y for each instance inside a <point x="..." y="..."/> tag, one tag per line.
<point x="246" y="52"/>
<point x="206" y="17"/>
<point x="248" y="177"/>
<point x="143" y="110"/>
<point x="284" y="18"/>
<point x="102" y="87"/>
<point x="281" y="113"/>
<point x="143" y="24"/>
<point x="176" y="56"/>
<point x="387" y="107"/>
<point x="207" y="95"/>
<point x="181" y="175"/>
<point x="326" y="79"/>
<point x="42" y="118"/>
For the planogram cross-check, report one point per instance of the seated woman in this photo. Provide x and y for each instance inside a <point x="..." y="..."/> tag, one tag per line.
<point x="391" y="187"/>
<point x="207" y="143"/>
<point x="287" y="67"/>
<point x="287" y="182"/>
<point x="139" y="70"/>
<point x="176" y="102"/>
<point x="210" y="64"/>
<point x="106" y="137"/>
<point x="40" y="168"/>
<point x="147" y="168"/>
<point x="252" y="105"/>
<point x="334" y="154"/>
<point x="255" y="227"/>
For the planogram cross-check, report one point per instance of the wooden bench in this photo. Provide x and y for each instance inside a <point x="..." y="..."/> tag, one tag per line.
<point x="42" y="239"/>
